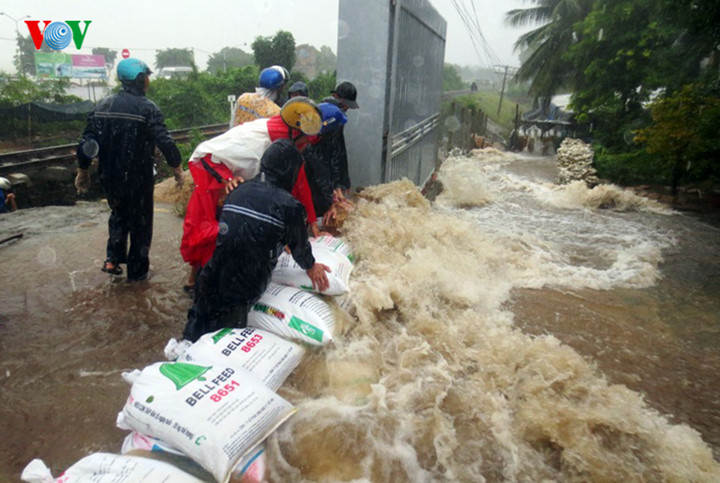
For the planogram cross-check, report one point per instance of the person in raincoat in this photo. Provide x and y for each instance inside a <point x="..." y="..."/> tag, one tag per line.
<point x="345" y="95"/>
<point x="220" y="164"/>
<point x="123" y="132"/>
<point x="259" y="218"/>
<point x="298" y="89"/>
<point x="317" y="159"/>
<point x="263" y="103"/>
<point x="7" y="197"/>
<point x="267" y="98"/>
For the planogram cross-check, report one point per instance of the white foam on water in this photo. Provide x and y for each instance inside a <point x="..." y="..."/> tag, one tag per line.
<point x="430" y="379"/>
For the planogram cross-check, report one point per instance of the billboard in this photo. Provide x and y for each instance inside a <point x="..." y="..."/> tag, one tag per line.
<point x="53" y="65"/>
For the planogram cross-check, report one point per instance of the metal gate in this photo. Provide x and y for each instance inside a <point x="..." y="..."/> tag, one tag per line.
<point x="393" y="51"/>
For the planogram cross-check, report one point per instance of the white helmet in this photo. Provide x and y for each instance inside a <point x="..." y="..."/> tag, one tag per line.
<point x="5" y="184"/>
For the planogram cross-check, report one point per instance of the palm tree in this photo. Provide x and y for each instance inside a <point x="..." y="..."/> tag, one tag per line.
<point x="545" y="66"/>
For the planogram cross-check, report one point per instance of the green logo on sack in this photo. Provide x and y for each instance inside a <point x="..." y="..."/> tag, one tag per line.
<point x="306" y="329"/>
<point x="182" y="373"/>
<point x="222" y="333"/>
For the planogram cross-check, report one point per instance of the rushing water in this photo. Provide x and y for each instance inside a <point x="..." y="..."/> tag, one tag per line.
<point x="511" y="330"/>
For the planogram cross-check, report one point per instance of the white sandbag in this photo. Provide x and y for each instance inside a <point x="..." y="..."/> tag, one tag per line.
<point x="109" y="468"/>
<point x="337" y="245"/>
<point x="250" y="469"/>
<point x="294" y="314"/>
<point x="214" y="414"/>
<point x="239" y="148"/>
<point x="288" y="272"/>
<point x="265" y="355"/>
<point x="135" y="441"/>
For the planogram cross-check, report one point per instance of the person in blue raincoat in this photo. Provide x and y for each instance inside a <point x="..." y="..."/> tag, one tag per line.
<point x="259" y="218"/>
<point x="123" y="132"/>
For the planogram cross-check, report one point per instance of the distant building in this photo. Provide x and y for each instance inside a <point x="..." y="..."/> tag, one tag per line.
<point x="181" y="72"/>
<point x="306" y="60"/>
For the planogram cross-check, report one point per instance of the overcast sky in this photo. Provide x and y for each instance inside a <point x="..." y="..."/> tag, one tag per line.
<point x="144" y="26"/>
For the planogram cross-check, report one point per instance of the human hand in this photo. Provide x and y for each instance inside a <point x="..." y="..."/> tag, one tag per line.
<point x="231" y="184"/>
<point x="82" y="181"/>
<point x="329" y="215"/>
<point x="178" y="174"/>
<point x="318" y="277"/>
<point x="338" y="194"/>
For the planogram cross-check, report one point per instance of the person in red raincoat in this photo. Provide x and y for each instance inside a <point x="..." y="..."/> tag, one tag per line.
<point x="220" y="164"/>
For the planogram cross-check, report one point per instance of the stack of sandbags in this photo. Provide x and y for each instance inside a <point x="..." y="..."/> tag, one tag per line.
<point x="291" y="307"/>
<point x="216" y="415"/>
<point x="574" y="160"/>
<point x="208" y="411"/>
<point x="109" y="468"/>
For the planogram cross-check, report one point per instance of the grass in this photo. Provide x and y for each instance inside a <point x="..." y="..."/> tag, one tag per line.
<point x="488" y="101"/>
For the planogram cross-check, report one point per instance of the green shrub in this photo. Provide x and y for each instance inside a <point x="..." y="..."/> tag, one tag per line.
<point x="627" y="169"/>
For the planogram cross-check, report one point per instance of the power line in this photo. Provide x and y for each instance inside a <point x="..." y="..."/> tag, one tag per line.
<point x="480" y="44"/>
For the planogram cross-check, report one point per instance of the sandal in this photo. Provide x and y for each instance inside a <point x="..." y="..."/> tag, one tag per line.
<point x="111" y="268"/>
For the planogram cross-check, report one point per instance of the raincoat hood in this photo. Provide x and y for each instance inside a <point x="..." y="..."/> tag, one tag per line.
<point x="281" y="163"/>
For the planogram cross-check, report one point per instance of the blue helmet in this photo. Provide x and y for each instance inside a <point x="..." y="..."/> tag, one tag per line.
<point x="129" y="69"/>
<point x="273" y="78"/>
<point x="332" y="117"/>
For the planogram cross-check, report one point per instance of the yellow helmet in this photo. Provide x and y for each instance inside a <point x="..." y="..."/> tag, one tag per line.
<point x="303" y="114"/>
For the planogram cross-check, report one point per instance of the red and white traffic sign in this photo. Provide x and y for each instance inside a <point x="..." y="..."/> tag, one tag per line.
<point x="125" y="53"/>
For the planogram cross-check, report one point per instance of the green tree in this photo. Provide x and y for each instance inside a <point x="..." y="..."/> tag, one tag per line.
<point x="201" y="98"/>
<point x="109" y="55"/>
<point x="24" y="58"/>
<point x="14" y="92"/>
<point x="684" y="135"/>
<point x="546" y="67"/>
<point x="174" y="58"/>
<point x="228" y="57"/>
<point x="278" y="50"/>
<point x="451" y="79"/>
<point x="625" y="53"/>
<point x="321" y="85"/>
<point x="326" y="60"/>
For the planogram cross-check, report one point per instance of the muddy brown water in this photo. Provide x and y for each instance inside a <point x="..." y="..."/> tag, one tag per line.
<point x="418" y="404"/>
<point x="67" y="331"/>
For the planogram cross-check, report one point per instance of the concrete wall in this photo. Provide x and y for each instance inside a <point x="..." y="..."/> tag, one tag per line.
<point x="393" y="51"/>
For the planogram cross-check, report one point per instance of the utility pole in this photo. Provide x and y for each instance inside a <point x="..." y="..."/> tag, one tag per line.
<point x="502" y="91"/>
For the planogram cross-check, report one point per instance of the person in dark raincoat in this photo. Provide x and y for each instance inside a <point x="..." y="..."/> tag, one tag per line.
<point x="220" y="164"/>
<point x="345" y="94"/>
<point x="298" y="89"/>
<point x="123" y="132"/>
<point x="318" y="159"/>
<point x="259" y="218"/>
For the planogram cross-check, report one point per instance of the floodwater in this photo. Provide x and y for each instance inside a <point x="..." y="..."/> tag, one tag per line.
<point x="511" y="330"/>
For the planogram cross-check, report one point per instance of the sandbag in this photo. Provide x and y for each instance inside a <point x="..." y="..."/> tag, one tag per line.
<point x="265" y="355"/>
<point x="337" y="245"/>
<point x="239" y="148"/>
<point x="294" y="314"/>
<point x="109" y="468"/>
<point x="214" y="414"/>
<point x="288" y="272"/>
<point x="250" y="469"/>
